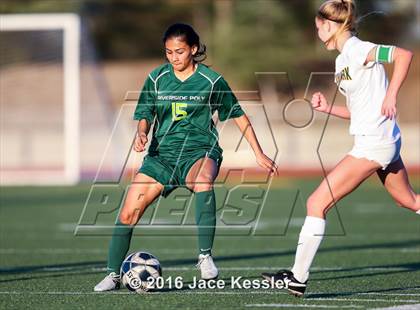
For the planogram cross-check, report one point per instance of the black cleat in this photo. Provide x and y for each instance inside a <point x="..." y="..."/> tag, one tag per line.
<point x="294" y="286"/>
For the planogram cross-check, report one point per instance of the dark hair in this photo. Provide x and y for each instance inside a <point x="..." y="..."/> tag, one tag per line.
<point x="187" y="34"/>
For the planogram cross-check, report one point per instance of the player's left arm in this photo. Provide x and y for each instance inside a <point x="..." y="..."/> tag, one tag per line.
<point x="248" y="132"/>
<point x="402" y="60"/>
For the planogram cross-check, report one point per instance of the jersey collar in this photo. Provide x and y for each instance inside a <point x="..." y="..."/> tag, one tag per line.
<point x="174" y="77"/>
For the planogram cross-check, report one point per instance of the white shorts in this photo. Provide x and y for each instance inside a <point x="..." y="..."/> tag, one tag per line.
<point x="382" y="150"/>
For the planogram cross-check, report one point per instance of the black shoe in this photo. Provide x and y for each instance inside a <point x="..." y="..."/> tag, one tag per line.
<point x="294" y="286"/>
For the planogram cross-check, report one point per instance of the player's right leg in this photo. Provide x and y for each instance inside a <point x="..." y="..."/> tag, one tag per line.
<point x="142" y="192"/>
<point x="342" y="180"/>
<point x="395" y="180"/>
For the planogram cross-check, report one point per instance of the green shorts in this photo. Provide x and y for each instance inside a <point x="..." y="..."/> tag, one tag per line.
<point x="172" y="174"/>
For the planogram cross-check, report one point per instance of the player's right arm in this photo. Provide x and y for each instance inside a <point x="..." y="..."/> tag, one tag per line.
<point x="319" y="103"/>
<point x="144" y="113"/>
<point x="141" y="138"/>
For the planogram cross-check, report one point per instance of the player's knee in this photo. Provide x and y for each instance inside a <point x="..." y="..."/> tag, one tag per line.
<point x="311" y="203"/>
<point x="315" y="207"/>
<point x="203" y="185"/>
<point x="125" y="218"/>
<point x="128" y="218"/>
<point x="202" y="188"/>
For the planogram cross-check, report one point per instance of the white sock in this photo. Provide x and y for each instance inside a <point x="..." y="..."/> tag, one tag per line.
<point x="309" y="240"/>
<point x="418" y="212"/>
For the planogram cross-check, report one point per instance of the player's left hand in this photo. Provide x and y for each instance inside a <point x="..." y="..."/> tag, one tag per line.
<point x="265" y="162"/>
<point x="389" y="106"/>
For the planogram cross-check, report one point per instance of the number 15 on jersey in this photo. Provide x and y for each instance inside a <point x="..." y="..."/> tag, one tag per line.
<point x="178" y="111"/>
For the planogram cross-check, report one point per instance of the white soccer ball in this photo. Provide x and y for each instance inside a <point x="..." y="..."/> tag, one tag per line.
<point x="139" y="272"/>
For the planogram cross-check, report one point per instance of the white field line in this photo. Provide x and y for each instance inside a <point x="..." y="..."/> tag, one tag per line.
<point x="66" y="251"/>
<point x="402" y="307"/>
<point x="388" y="294"/>
<point x="186" y="268"/>
<point x="299" y="306"/>
<point x="363" y="299"/>
<point x="13" y="251"/>
<point x="409" y="250"/>
<point x="130" y="293"/>
<point x="196" y="292"/>
<point x="288" y="267"/>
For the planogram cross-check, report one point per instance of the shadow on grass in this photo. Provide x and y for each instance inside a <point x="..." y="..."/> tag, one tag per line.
<point x="367" y="273"/>
<point x="51" y="276"/>
<point x="53" y="268"/>
<point x="239" y="257"/>
<point x="82" y="266"/>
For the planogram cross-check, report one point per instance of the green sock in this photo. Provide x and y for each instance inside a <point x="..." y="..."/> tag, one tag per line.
<point x="119" y="245"/>
<point x="205" y="217"/>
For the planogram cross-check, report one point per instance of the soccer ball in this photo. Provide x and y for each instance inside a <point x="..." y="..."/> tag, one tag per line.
<point x="139" y="271"/>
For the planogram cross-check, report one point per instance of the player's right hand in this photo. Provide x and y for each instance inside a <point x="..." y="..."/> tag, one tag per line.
<point x="319" y="102"/>
<point x="140" y="142"/>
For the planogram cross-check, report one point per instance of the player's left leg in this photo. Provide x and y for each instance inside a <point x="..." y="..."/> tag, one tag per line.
<point x="395" y="180"/>
<point x="200" y="180"/>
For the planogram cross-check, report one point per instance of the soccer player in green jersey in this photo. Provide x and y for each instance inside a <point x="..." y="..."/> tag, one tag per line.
<point x="180" y="98"/>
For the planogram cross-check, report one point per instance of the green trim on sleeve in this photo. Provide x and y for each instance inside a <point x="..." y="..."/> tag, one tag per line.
<point x="384" y="53"/>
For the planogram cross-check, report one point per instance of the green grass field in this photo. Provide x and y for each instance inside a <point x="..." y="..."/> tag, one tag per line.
<point x="373" y="263"/>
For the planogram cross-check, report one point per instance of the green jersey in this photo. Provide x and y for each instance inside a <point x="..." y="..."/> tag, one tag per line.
<point x="183" y="110"/>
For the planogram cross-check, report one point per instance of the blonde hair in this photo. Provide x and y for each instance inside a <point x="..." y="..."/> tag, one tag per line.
<point x="339" y="11"/>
